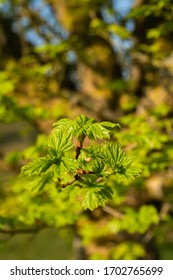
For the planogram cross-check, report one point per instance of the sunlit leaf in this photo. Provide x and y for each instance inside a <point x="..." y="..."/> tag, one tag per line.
<point x="64" y="124"/>
<point x="116" y="158"/>
<point x="95" y="193"/>
<point x="59" y="142"/>
<point x="37" y="166"/>
<point x="70" y="163"/>
<point x="95" y="197"/>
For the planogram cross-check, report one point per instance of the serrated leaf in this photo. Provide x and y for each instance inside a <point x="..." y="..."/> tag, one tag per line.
<point x="116" y="158"/>
<point x="64" y="124"/>
<point x="95" y="197"/>
<point x="100" y="130"/>
<point x="83" y="120"/>
<point x="70" y="163"/>
<point x="95" y="193"/>
<point x="37" y="166"/>
<point x="59" y="170"/>
<point x="110" y="125"/>
<point x="59" y="142"/>
<point x="131" y="172"/>
<point x="37" y="183"/>
<point x="64" y="166"/>
<point x="96" y="130"/>
<point x="98" y="166"/>
<point x="83" y="126"/>
<point x="89" y="127"/>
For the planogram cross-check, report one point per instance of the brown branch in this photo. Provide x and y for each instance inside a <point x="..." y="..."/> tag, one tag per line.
<point x="68" y="184"/>
<point x="113" y="212"/>
<point x="78" y="149"/>
<point x="77" y="177"/>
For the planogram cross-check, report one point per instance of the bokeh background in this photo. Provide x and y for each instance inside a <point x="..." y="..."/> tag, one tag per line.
<point x="108" y="59"/>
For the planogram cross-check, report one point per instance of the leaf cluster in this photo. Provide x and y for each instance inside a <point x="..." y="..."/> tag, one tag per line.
<point x="89" y="168"/>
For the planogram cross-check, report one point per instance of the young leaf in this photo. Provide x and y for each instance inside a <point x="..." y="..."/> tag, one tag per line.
<point x="65" y="124"/>
<point x="96" y="196"/>
<point x="93" y="129"/>
<point x="37" y="183"/>
<point x="59" y="170"/>
<point x="115" y="156"/>
<point x="96" y="130"/>
<point x="98" y="166"/>
<point x="83" y="121"/>
<point x="37" y="166"/>
<point x="95" y="193"/>
<point x="59" y="142"/>
<point x="118" y="161"/>
<point x="70" y="164"/>
<point x="83" y="126"/>
<point x="64" y="167"/>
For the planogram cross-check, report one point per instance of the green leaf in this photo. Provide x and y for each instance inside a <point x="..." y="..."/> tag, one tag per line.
<point x="64" y="167"/>
<point x="83" y="126"/>
<point x="100" y="130"/>
<point x="59" y="142"/>
<point x="65" y="124"/>
<point x="37" y="166"/>
<point x="37" y="183"/>
<point x="110" y="125"/>
<point x="59" y="170"/>
<point x="116" y="158"/>
<point x="89" y="127"/>
<point x="98" y="166"/>
<point x="96" y="130"/>
<point x="95" y="193"/>
<point x="83" y="120"/>
<point x="70" y="164"/>
<point x="95" y="197"/>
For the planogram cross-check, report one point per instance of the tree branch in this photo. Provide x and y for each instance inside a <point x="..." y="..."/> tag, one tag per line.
<point x="113" y="212"/>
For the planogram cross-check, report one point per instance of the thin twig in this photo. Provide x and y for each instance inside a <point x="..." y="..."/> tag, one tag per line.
<point x="113" y="212"/>
<point x="68" y="184"/>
